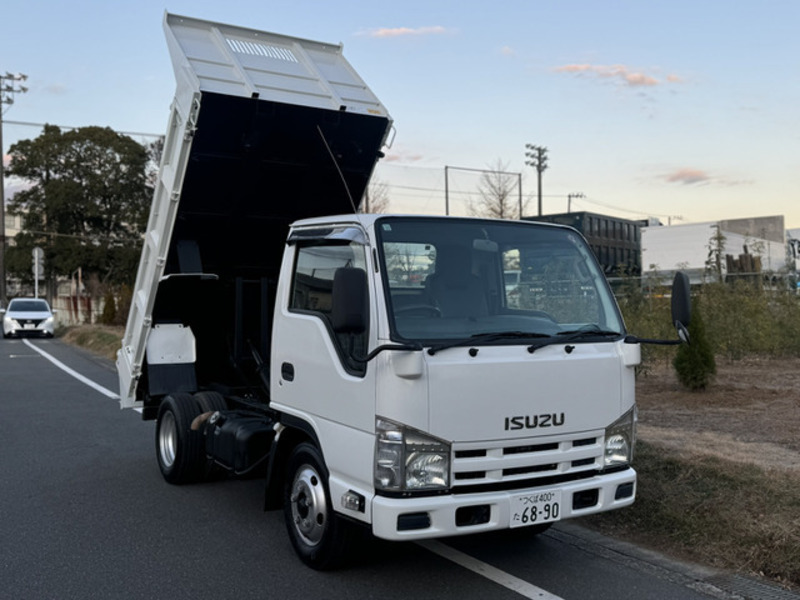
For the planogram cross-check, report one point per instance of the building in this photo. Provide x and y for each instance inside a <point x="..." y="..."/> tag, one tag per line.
<point x="689" y="247"/>
<point x="793" y="242"/>
<point x="615" y="242"/>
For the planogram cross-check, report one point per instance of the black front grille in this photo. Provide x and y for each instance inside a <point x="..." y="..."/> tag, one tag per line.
<point x="529" y="449"/>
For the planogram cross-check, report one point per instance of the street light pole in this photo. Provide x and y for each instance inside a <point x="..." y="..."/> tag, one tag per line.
<point x="537" y="158"/>
<point x="9" y="85"/>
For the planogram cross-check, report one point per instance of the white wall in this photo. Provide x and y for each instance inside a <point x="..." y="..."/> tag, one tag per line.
<point x="686" y="247"/>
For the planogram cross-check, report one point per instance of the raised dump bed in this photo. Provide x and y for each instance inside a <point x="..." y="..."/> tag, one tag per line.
<point x="265" y="129"/>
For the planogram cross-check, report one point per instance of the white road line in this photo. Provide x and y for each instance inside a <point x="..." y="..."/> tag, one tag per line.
<point x="515" y="584"/>
<point x="75" y="374"/>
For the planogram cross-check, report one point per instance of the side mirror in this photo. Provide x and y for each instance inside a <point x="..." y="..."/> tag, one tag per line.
<point x="681" y="305"/>
<point x="349" y="307"/>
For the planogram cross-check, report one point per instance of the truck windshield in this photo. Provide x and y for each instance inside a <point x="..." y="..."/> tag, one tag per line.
<point x="499" y="281"/>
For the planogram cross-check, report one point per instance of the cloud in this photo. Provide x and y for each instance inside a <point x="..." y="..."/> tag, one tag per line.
<point x="622" y="73"/>
<point x="384" y="32"/>
<point x="693" y="176"/>
<point x="688" y="176"/>
<point x="402" y="157"/>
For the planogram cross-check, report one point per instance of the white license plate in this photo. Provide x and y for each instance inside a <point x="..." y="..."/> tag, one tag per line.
<point x="535" y="508"/>
<point x="29" y="326"/>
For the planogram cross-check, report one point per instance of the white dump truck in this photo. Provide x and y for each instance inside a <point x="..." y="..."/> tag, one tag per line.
<point x="371" y="367"/>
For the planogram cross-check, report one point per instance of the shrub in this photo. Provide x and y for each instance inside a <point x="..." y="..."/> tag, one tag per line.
<point x="123" y="305"/>
<point x="109" y="308"/>
<point x="740" y="318"/>
<point x="694" y="362"/>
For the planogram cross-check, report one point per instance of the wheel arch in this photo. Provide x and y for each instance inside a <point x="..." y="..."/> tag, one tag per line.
<point x="295" y="431"/>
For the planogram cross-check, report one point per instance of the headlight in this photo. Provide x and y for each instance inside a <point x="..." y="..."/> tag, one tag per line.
<point x="620" y="440"/>
<point x="408" y="461"/>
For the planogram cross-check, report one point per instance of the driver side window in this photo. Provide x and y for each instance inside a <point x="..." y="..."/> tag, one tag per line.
<point x="312" y="292"/>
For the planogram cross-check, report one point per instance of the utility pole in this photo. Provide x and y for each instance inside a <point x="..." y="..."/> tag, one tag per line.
<point x="537" y="158"/>
<point x="569" y="200"/>
<point x="9" y="85"/>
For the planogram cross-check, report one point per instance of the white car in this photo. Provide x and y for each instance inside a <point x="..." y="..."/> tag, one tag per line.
<point x="27" y="316"/>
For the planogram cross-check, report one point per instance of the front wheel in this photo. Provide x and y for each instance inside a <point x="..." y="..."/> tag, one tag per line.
<point x="318" y="535"/>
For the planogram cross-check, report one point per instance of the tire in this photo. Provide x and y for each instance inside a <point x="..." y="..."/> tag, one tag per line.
<point x="210" y="401"/>
<point x="320" y="538"/>
<point x="179" y="450"/>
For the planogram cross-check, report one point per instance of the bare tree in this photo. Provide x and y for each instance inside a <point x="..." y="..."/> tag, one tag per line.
<point x="376" y="197"/>
<point x="716" y="253"/>
<point x="499" y="194"/>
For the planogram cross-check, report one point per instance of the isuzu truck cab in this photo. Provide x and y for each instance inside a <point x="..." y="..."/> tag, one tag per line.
<point x="377" y="370"/>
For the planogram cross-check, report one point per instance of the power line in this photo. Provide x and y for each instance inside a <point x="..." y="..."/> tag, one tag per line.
<point x="70" y="127"/>
<point x="397" y="186"/>
<point x="620" y="209"/>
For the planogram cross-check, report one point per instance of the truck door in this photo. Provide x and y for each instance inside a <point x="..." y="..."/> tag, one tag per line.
<point x="317" y="373"/>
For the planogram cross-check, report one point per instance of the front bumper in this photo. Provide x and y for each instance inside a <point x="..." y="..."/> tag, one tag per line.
<point x="435" y="516"/>
<point x="14" y="329"/>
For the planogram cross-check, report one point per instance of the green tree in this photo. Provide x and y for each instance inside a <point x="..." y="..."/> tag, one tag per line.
<point x="87" y="204"/>
<point x="694" y="362"/>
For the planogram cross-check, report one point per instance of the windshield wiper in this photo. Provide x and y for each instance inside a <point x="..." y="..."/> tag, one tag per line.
<point x="484" y="338"/>
<point x="591" y="331"/>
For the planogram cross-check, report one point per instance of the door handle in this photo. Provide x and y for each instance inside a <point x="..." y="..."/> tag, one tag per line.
<point x="287" y="371"/>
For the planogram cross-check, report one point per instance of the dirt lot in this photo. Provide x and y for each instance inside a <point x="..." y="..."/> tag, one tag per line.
<point x="751" y="413"/>
<point x="695" y="447"/>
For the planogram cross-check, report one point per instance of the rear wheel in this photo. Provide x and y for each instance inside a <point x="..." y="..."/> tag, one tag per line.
<point x="179" y="449"/>
<point x="210" y="401"/>
<point x="319" y="536"/>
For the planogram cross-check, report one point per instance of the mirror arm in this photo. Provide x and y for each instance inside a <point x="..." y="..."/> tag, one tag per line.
<point x="632" y="339"/>
<point x="379" y="349"/>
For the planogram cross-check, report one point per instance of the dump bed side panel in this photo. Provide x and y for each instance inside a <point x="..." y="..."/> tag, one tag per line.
<point x="265" y="130"/>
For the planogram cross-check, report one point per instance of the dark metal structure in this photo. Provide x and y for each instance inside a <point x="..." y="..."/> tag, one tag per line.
<point x="617" y="243"/>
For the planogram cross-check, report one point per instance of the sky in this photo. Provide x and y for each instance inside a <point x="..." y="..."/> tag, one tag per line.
<point x="684" y="111"/>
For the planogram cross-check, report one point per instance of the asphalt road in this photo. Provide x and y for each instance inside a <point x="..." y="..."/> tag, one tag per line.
<point x="84" y="513"/>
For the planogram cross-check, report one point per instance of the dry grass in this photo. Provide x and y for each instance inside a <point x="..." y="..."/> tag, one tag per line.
<point x="712" y="510"/>
<point x="719" y="471"/>
<point x="101" y="340"/>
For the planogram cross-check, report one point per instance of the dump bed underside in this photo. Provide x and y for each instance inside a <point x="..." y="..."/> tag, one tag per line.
<point x="256" y="166"/>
